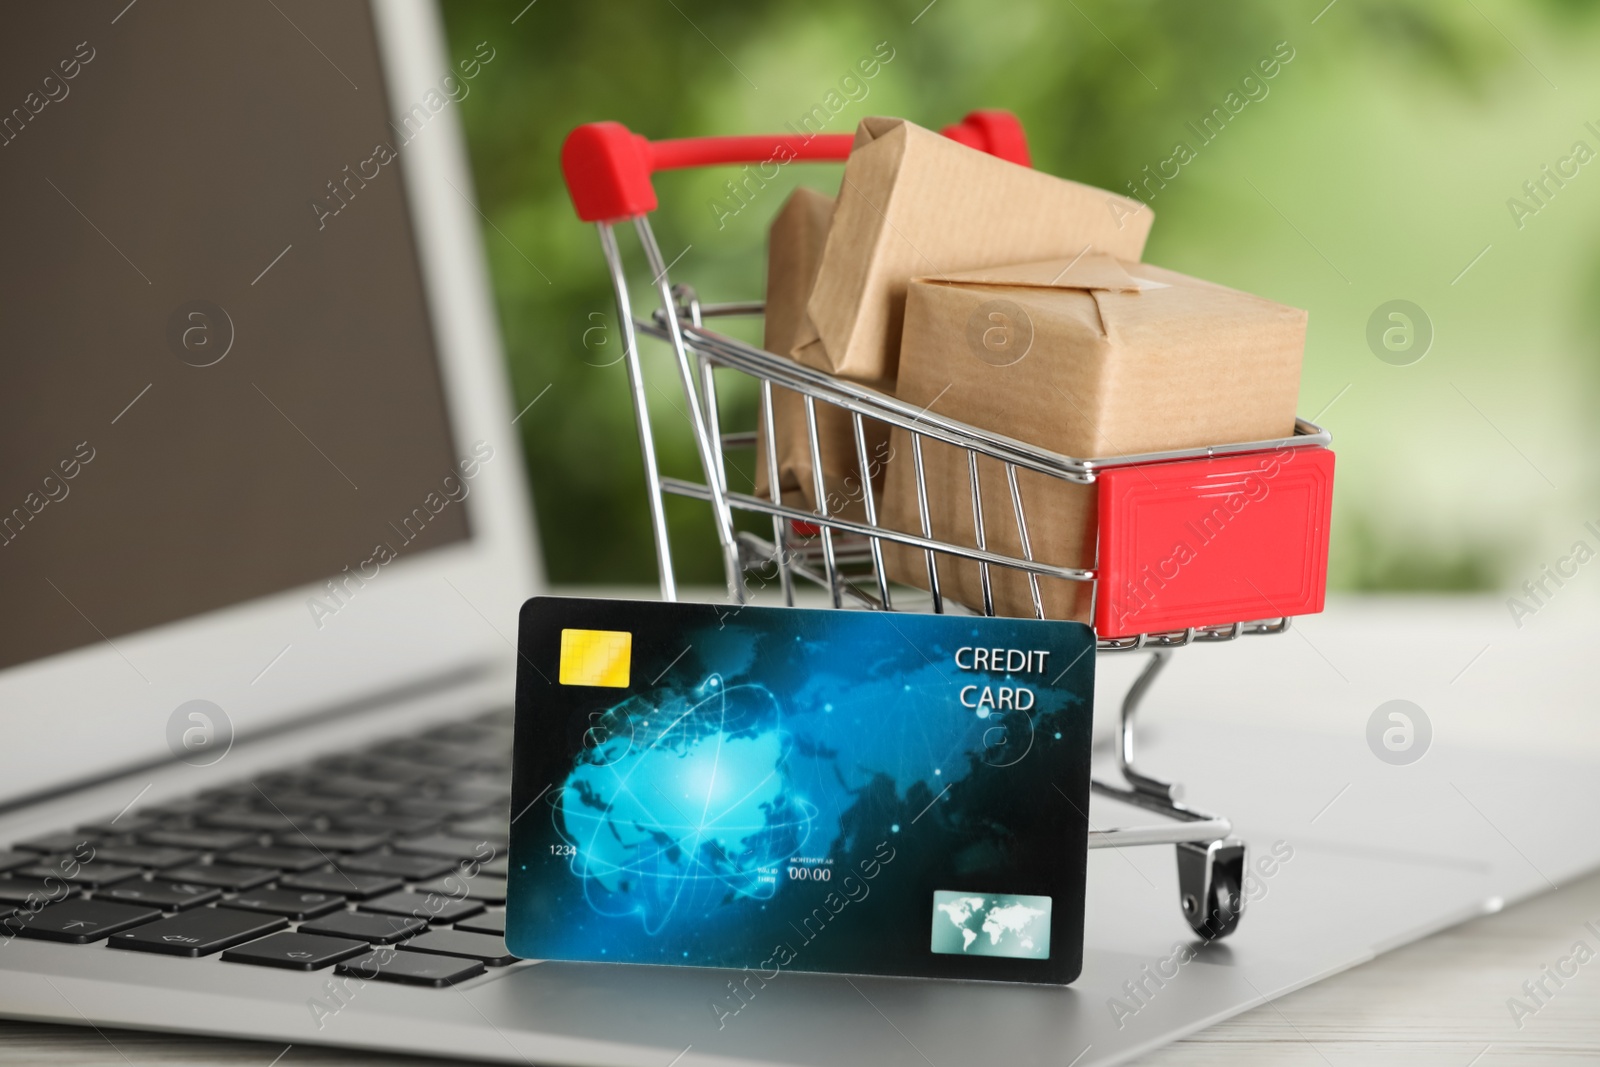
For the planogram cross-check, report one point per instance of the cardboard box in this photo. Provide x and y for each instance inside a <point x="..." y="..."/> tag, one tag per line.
<point x="917" y="204"/>
<point x="794" y="253"/>
<point x="1091" y="357"/>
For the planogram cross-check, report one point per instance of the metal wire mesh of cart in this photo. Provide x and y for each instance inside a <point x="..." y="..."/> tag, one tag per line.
<point x="845" y="557"/>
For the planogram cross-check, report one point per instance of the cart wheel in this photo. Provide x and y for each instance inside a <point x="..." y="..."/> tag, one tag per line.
<point x="1222" y="909"/>
<point x="1210" y="880"/>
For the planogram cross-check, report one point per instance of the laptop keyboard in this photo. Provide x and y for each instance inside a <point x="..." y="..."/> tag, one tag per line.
<point x="387" y="864"/>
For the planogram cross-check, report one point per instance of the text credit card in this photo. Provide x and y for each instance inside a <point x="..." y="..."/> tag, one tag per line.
<point x="787" y="789"/>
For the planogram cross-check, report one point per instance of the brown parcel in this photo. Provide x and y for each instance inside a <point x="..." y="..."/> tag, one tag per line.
<point x="915" y="203"/>
<point x="1091" y="358"/>
<point x="794" y="251"/>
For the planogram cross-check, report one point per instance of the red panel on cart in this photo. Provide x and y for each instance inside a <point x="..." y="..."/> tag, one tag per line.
<point x="1210" y="541"/>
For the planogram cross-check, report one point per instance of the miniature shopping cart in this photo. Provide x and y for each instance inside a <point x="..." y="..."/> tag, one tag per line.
<point x="1253" y="585"/>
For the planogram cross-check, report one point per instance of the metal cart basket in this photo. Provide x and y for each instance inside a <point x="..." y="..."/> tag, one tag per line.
<point x="608" y="172"/>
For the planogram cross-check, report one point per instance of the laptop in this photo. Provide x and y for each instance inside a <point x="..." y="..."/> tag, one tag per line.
<point x="264" y="534"/>
<point x="266" y="526"/>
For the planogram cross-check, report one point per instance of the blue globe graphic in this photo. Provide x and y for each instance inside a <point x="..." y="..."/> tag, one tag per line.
<point x="683" y="803"/>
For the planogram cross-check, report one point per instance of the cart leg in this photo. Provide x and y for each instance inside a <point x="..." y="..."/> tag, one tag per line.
<point x="1143" y="783"/>
<point x="1210" y="886"/>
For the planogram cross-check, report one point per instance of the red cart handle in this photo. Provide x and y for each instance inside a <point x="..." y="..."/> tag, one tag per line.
<point x="608" y="167"/>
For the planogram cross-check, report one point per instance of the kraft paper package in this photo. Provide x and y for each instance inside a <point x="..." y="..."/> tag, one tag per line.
<point x="1088" y="357"/>
<point x="917" y="204"/>
<point x="794" y="252"/>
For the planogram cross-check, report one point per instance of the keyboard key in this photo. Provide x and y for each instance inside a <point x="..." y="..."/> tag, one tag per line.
<point x="395" y="865"/>
<point x="63" y="842"/>
<point x="223" y="875"/>
<point x="376" y="929"/>
<point x="34" y="892"/>
<point x="339" y="785"/>
<point x="119" y="824"/>
<point x="438" y="807"/>
<point x="499" y="867"/>
<point x="489" y="827"/>
<point x="453" y="733"/>
<point x="199" y="932"/>
<point x="278" y="784"/>
<point x="284" y="859"/>
<point x="201" y="840"/>
<point x="473" y="735"/>
<point x="486" y="849"/>
<point x="332" y="840"/>
<point x="453" y="848"/>
<point x="161" y="893"/>
<point x="178" y="806"/>
<point x="492" y="921"/>
<point x="432" y="754"/>
<point x="430" y="906"/>
<point x="254" y="822"/>
<point x="497" y="819"/>
<point x="298" y="952"/>
<point x="489" y="890"/>
<point x="296" y="805"/>
<point x="223" y="796"/>
<point x="411" y="968"/>
<point x="82" y="921"/>
<point x="290" y="903"/>
<point x="496" y="793"/>
<point x="146" y="856"/>
<point x="393" y="823"/>
<point x="282" y="780"/>
<point x="10" y="861"/>
<point x="348" y="884"/>
<point x="371" y="767"/>
<point x="89" y="875"/>
<point x="485" y="948"/>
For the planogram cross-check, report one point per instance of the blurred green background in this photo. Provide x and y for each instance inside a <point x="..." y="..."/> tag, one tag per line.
<point x="1379" y="166"/>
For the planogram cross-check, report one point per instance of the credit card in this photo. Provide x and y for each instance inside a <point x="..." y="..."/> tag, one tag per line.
<point x="787" y="789"/>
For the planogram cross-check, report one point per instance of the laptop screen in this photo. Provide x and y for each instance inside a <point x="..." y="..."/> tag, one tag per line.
<point x="219" y="377"/>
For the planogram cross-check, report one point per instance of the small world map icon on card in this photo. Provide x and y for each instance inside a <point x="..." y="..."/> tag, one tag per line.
<point x="991" y="924"/>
